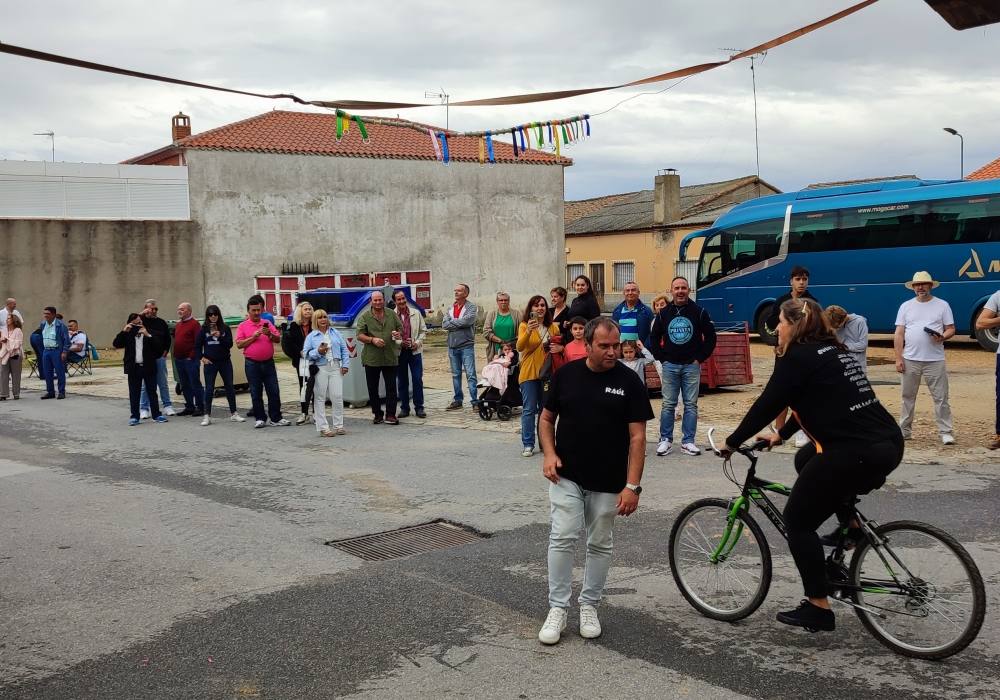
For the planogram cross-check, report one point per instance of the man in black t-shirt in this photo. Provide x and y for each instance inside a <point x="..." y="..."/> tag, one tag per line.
<point x="594" y="459"/>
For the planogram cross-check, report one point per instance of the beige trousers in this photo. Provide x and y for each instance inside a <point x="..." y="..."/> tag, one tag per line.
<point x="936" y="376"/>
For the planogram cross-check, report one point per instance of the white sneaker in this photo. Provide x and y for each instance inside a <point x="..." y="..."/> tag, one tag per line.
<point x="237" y="418"/>
<point x="664" y="448"/>
<point x="259" y="424"/>
<point x="169" y="411"/>
<point x="948" y="439"/>
<point x="301" y="419"/>
<point x="554" y="624"/>
<point x="207" y="420"/>
<point x="283" y="421"/>
<point x="801" y="439"/>
<point x="590" y="625"/>
<point x="144" y="414"/>
<point x="689" y="448"/>
<point x="527" y="452"/>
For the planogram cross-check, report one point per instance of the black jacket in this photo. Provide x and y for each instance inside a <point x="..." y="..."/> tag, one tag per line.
<point x="151" y="352"/>
<point x="692" y="336"/>
<point x="159" y="329"/>
<point x="830" y="398"/>
<point x="772" y="319"/>
<point x="584" y="305"/>
<point x="292" y="341"/>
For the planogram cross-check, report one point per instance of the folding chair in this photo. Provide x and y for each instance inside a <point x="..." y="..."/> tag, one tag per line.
<point x="33" y="360"/>
<point x="83" y="364"/>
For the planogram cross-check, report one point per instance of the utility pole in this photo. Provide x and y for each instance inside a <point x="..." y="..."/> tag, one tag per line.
<point x="444" y="97"/>
<point x="52" y="135"/>
<point x="756" y="134"/>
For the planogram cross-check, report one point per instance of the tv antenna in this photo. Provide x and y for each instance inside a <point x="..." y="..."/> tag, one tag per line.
<point x="444" y="97"/>
<point x="753" y="79"/>
<point x="52" y="135"/>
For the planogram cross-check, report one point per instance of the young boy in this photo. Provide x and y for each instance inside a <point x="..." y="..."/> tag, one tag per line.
<point x="576" y="348"/>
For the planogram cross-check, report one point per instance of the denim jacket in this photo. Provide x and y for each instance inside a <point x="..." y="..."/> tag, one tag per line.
<point x="62" y="334"/>
<point x="338" y="348"/>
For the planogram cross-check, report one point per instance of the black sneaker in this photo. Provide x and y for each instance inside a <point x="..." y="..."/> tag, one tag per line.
<point x="403" y="414"/>
<point x="196" y="413"/>
<point x="852" y="538"/>
<point x="453" y="406"/>
<point x="420" y="412"/>
<point x="810" y="617"/>
<point x="378" y="419"/>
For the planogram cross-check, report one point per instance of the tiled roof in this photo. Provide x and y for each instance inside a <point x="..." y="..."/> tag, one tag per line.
<point x="633" y="211"/>
<point x="987" y="172"/>
<point x="311" y="133"/>
<point x="582" y="207"/>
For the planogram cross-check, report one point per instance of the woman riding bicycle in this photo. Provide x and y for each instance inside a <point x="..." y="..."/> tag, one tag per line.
<point x="855" y="442"/>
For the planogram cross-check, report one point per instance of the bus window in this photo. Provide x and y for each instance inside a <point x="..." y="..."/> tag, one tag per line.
<point x="710" y="268"/>
<point x="812" y="232"/>
<point x="887" y="226"/>
<point x="751" y="243"/>
<point x="966" y="220"/>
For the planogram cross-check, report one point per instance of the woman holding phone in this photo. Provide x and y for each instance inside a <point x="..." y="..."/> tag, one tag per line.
<point x="325" y="349"/>
<point x="212" y="347"/>
<point x="537" y="336"/>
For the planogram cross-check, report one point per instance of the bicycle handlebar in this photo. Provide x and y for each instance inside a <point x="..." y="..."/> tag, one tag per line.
<point x="746" y="451"/>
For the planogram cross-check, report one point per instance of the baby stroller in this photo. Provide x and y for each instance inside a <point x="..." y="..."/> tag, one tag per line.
<point x="497" y="398"/>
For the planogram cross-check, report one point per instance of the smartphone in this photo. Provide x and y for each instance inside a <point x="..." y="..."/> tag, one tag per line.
<point x="931" y="331"/>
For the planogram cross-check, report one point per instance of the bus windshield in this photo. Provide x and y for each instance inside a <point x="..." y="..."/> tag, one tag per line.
<point x="736" y="248"/>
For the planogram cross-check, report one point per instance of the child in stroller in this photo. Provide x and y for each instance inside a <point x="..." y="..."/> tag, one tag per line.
<point x="502" y="393"/>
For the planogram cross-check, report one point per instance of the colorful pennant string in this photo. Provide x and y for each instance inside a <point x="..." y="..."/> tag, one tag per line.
<point x="553" y="134"/>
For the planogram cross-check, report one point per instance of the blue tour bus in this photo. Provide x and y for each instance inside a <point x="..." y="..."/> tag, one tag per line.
<point x="860" y="243"/>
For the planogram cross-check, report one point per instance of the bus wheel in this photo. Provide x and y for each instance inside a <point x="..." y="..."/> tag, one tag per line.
<point x="989" y="338"/>
<point x="762" y="316"/>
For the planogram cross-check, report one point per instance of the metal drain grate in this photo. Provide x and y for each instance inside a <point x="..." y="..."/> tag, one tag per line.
<point x="407" y="541"/>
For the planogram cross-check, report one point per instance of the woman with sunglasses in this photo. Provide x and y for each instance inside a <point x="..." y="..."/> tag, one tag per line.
<point x="211" y="348"/>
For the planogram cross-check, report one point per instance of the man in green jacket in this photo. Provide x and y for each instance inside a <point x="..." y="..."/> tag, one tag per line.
<point x="381" y="334"/>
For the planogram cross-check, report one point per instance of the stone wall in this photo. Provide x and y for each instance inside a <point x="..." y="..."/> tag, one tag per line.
<point x="99" y="271"/>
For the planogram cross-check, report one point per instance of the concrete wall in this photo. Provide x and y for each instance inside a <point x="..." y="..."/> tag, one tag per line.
<point x="99" y="271"/>
<point x="498" y="227"/>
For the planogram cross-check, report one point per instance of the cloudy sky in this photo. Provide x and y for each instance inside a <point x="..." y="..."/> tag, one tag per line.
<point x="865" y="97"/>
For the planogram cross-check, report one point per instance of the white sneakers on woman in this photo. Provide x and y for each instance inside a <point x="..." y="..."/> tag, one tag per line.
<point x="555" y="623"/>
<point x="236" y="417"/>
<point x="207" y="420"/>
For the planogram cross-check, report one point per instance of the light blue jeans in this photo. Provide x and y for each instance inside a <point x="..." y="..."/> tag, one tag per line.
<point x="684" y="380"/>
<point x="161" y="387"/>
<point x="463" y="359"/>
<point x="531" y="406"/>
<point x="572" y="510"/>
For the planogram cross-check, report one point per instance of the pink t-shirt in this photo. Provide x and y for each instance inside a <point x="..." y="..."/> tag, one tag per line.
<point x="261" y="349"/>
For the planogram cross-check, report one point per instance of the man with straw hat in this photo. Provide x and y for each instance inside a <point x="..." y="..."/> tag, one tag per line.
<point x="922" y="325"/>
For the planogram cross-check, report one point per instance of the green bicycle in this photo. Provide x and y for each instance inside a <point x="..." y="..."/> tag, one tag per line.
<point x="912" y="585"/>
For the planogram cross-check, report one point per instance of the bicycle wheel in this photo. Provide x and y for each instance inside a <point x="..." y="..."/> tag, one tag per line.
<point x="723" y="571"/>
<point x="925" y="593"/>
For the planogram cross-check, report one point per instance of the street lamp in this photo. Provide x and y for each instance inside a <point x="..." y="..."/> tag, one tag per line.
<point x="961" y="143"/>
<point x="52" y="135"/>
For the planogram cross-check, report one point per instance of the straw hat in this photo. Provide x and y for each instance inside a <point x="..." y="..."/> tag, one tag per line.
<point x="922" y="276"/>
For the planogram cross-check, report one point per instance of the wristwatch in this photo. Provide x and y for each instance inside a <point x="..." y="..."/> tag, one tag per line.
<point x="635" y="488"/>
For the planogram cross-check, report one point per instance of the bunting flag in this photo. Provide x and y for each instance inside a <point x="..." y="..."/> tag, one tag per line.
<point x="560" y="132"/>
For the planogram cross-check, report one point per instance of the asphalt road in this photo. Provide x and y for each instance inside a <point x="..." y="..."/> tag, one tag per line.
<point x="175" y="561"/>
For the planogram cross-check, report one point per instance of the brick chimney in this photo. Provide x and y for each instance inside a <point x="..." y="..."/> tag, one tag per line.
<point x="666" y="197"/>
<point x="180" y="126"/>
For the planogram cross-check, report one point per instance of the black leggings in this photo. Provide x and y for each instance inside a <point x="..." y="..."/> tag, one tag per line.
<point x="827" y="484"/>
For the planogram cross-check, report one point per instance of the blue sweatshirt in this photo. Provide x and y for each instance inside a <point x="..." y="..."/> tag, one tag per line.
<point x="215" y="349"/>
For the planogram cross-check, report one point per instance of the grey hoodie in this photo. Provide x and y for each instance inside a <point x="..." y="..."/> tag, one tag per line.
<point x="461" y="330"/>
